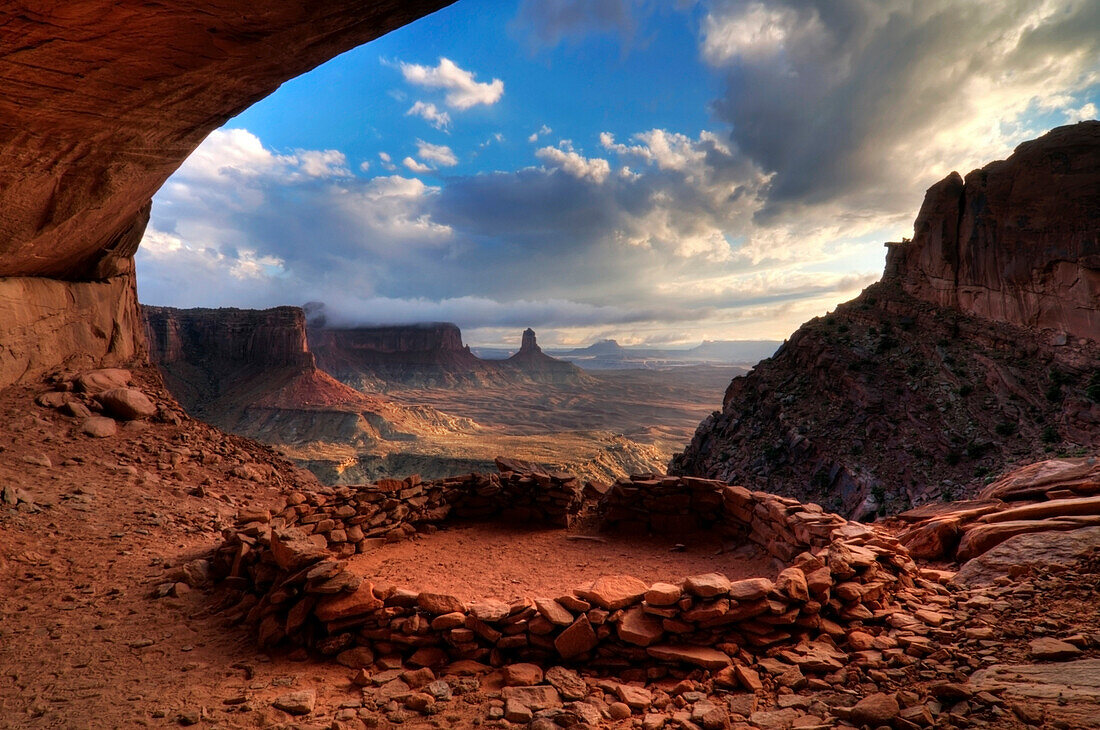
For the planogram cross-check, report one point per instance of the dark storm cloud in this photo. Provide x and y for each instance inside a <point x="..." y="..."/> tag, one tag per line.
<point x="856" y="98"/>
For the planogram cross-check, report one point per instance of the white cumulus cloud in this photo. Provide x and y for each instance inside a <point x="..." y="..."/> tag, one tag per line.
<point x="595" y="169"/>
<point x="462" y="90"/>
<point x="440" y="154"/>
<point x="431" y="114"/>
<point x="416" y="166"/>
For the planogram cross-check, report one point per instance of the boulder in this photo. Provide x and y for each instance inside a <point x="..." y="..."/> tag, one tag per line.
<point x="567" y="682"/>
<point x="699" y="656"/>
<point x="553" y="611"/>
<point x="792" y="581"/>
<point x="535" y="698"/>
<point x="97" y="381"/>
<point x="707" y="585"/>
<point x="1044" y="510"/>
<point x="293" y="550"/>
<point x="521" y="675"/>
<point x="126" y="404"/>
<point x="438" y="604"/>
<point x="1032" y="481"/>
<point x="1019" y="554"/>
<point x="980" y="538"/>
<point x="751" y="589"/>
<point x="347" y="605"/>
<point x="296" y="703"/>
<point x="577" y="639"/>
<point x="639" y="628"/>
<point x="876" y="710"/>
<point x="1050" y="649"/>
<point x="663" y="594"/>
<point x="99" y="426"/>
<point x="933" y="540"/>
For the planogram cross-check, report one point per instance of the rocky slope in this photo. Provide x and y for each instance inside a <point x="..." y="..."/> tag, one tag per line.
<point x="111" y="617"/>
<point x="427" y="355"/>
<point x="251" y="372"/>
<point x="973" y="351"/>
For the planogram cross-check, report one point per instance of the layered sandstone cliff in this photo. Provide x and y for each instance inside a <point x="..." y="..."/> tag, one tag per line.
<point x="1017" y="241"/>
<point x="251" y="372"/>
<point x="427" y="355"/>
<point x="980" y="347"/>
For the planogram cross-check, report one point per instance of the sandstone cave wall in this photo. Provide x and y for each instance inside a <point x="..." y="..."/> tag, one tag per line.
<point x="46" y="324"/>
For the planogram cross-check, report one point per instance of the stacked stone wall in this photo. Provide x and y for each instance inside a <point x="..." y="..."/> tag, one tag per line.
<point x="297" y="587"/>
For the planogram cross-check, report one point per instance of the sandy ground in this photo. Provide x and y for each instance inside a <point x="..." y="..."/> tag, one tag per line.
<point x="506" y="563"/>
<point x="82" y="643"/>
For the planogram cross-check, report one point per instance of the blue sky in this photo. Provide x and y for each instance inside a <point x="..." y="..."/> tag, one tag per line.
<point x="660" y="173"/>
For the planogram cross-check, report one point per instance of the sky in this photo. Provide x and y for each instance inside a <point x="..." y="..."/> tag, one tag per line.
<point x="660" y="173"/>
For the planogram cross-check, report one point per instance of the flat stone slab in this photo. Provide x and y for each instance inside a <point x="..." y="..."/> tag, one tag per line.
<point x="612" y="592"/>
<point x="1067" y="691"/>
<point x="700" y="656"/>
<point x="1018" y="554"/>
<point x="535" y="698"/>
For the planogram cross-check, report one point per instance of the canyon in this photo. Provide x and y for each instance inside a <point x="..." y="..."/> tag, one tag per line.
<point x="413" y="399"/>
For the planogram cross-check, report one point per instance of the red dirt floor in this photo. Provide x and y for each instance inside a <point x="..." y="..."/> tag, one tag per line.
<point x="508" y="562"/>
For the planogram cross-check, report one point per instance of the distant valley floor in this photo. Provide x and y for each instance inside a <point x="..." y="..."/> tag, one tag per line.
<point x="614" y="423"/>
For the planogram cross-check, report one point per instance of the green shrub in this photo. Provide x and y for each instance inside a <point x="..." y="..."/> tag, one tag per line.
<point x="1005" y="428"/>
<point x="974" y="450"/>
<point x="1092" y="389"/>
<point x="1050" y="435"/>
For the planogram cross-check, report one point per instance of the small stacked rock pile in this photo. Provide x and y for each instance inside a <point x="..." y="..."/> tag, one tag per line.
<point x="298" y="587"/>
<point x="1050" y="496"/>
<point x="99" y="400"/>
<point x="670" y="504"/>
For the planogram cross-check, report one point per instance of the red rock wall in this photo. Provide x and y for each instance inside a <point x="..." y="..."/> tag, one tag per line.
<point x="100" y="101"/>
<point x="47" y="324"/>
<point x="266" y="338"/>
<point x="298" y="588"/>
<point x="1017" y="241"/>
